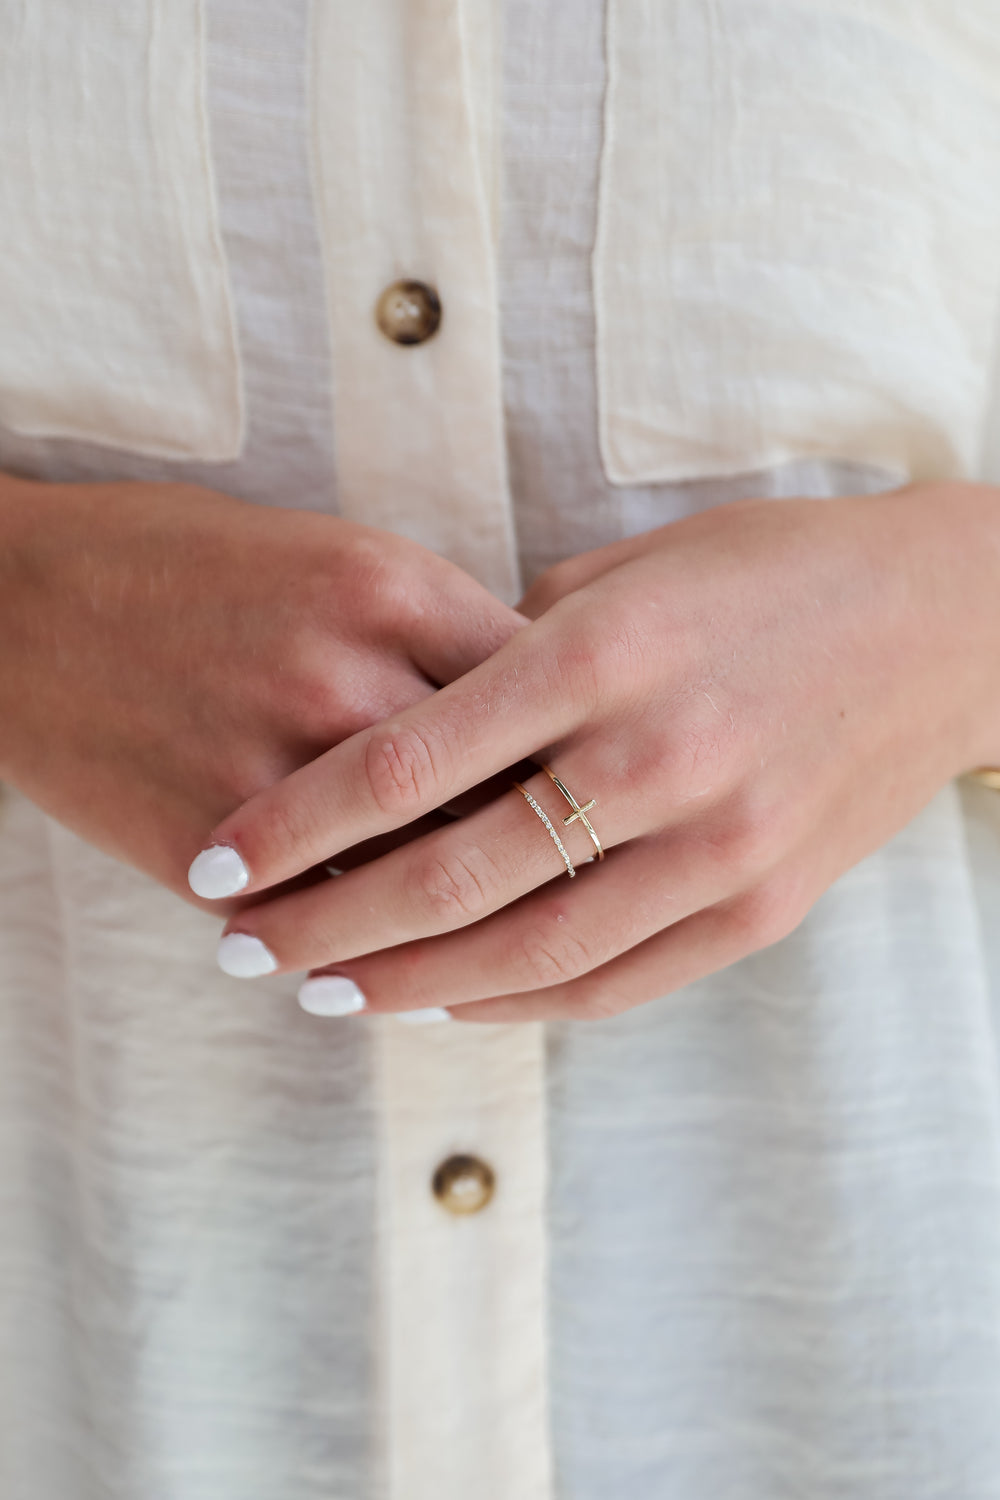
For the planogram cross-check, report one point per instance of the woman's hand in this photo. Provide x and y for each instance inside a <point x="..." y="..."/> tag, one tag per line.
<point x="757" y="697"/>
<point x="166" y="651"/>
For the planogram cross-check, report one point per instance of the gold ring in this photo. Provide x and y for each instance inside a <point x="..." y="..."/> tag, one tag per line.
<point x="552" y="833"/>
<point x="579" y="812"/>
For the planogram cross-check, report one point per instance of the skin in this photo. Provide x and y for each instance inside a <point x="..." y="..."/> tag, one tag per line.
<point x="167" y="652"/>
<point x="758" y="697"/>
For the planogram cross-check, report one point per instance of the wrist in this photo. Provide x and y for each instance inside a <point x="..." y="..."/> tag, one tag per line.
<point x="958" y="575"/>
<point x="16" y="496"/>
<point x="25" y="517"/>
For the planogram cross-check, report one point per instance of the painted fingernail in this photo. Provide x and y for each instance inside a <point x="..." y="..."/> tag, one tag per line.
<point x="423" y="1017"/>
<point x="244" y="957"/>
<point x="218" y="871"/>
<point x="331" y="995"/>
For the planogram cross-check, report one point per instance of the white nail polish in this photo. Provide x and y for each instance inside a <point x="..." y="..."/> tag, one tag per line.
<point x="244" y="957"/>
<point x="218" y="871"/>
<point x="423" y="1017"/>
<point x="331" y="995"/>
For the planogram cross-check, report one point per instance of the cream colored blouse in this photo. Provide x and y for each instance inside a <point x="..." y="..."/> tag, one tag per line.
<point x="743" y="1242"/>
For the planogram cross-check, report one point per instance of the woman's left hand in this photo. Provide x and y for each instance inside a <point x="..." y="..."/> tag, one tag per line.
<point x="756" y="697"/>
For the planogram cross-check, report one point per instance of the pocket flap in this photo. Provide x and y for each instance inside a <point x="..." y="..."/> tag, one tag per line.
<point x="116" y="320"/>
<point x="798" y="249"/>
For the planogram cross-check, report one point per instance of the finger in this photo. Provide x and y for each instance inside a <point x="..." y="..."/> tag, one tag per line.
<point x="354" y="690"/>
<point x="433" y="885"/>
<point x="358" y="694"/>
<point x="489" y="790"/>
<point x="575" y="572"/>
<point x="552" y="936"/>
<point x="461" y="625"/>
<point x="372" y="849"/>
<point x="701" y="944"/>
<point x="527" y="696"/>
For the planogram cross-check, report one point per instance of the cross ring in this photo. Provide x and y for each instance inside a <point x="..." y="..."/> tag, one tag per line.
<point x="580" y="810"/>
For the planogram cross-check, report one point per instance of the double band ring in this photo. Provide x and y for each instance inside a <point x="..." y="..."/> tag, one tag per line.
<point x="579" y="814"/>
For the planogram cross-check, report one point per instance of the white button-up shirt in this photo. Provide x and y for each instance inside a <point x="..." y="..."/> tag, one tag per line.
<point x="743" y="1241"/>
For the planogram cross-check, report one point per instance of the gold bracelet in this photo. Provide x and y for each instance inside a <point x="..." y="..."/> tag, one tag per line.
<point x="988" y="775"/>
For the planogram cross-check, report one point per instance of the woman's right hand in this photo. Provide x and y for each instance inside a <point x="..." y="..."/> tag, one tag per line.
<point x="166" y="651"/>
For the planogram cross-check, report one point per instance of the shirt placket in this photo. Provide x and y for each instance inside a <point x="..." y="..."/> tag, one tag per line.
<point x="403" y="153"/>
<point x="462" y="1261"/>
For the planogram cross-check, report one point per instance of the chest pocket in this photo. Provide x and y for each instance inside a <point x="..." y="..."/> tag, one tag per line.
<point x="798" y="248"/>
<point x="116" y="324"/>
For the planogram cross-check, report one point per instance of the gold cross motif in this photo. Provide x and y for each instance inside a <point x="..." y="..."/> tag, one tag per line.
<point x="580" y="811"/>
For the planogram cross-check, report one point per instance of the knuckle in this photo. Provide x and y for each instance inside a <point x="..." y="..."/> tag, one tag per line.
<point x="578" y="662"/>
<point x="402" y="769"/>
<point x="618" y="649"/>
<point x="455" y="885"/>
<point x="329" y="701"/>
<point x="396" y="597"/>
<point x="393" y="589"/>
<point x="549" y="953"/>
<point x="744" y="851"/>
<point x="370" y="570"/>
<point x="309" y="690"/>
<point x="767" y="913"/>
<point x="752" y="833"/>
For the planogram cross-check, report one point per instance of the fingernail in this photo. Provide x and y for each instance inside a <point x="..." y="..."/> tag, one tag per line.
<point x="217" y="871"/>
<point x="244" y="957"/>
<point x="423" y="1017"/>
<point x="331" y="995"/>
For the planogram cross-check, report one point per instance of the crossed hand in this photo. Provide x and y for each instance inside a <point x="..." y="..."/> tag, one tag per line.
<point x="744" y="704"/>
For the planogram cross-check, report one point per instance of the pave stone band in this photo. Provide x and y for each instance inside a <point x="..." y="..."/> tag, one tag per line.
<point x="552" y="833"/>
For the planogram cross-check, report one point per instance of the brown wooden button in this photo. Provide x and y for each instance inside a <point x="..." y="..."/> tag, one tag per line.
<point x="463" y="1184"/>
<point x="408" y="312"/>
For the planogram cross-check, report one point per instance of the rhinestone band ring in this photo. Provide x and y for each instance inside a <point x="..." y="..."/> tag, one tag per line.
<point x="540" y="811"/>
